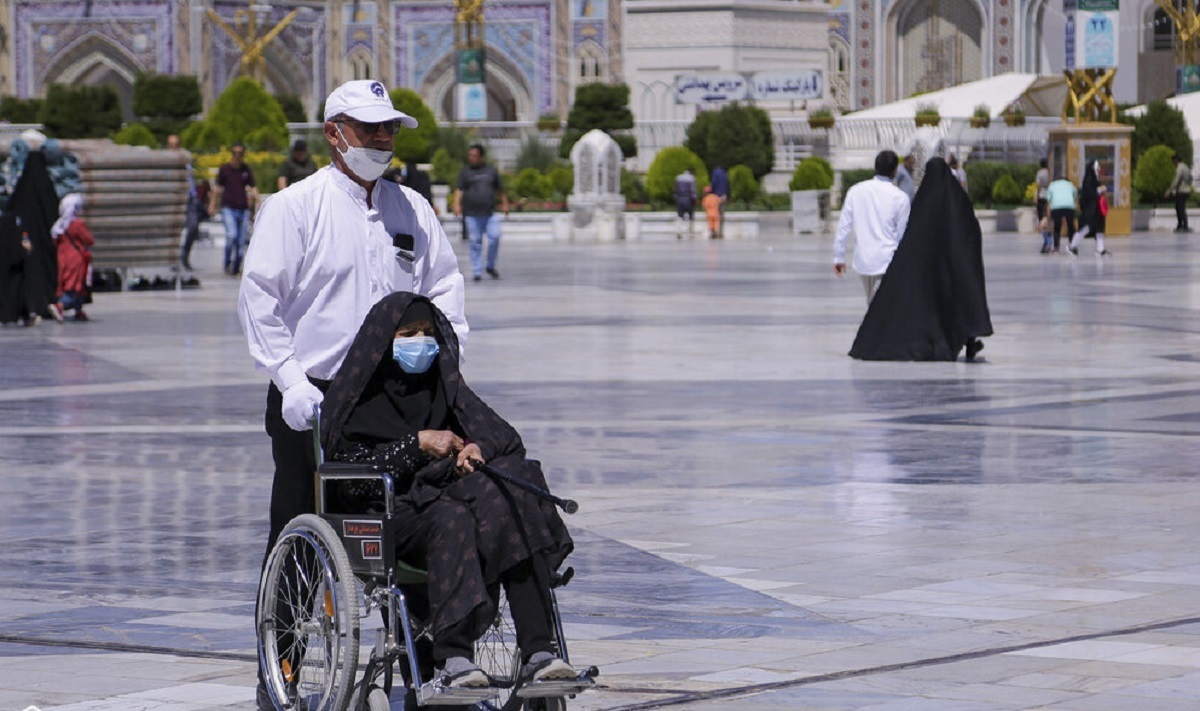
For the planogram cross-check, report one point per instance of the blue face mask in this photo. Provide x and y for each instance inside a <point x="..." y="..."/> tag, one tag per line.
<point x="415" y="354"/>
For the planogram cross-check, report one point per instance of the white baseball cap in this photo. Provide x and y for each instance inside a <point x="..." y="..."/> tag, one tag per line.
<point x="365" y="100"/>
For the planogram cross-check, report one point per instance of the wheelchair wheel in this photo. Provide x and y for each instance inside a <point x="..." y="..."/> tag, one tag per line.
<point x="497" y="654"/>
<point x="307" y="619"/>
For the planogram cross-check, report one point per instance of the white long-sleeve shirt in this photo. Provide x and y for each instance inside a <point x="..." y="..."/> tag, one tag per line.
<point x="877" y="213"/>
<point x="319" y="259"/>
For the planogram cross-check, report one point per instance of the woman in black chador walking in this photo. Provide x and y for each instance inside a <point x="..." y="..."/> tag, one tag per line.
<point x="932" y="301"/>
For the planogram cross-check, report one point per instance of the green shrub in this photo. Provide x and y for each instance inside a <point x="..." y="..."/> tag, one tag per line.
<point x="738" y="134"/>
<point x="535" y="154"/>
<point x="445" y="168"/>
<point x="80" y="111"/>
<point x="812" y="174"/>
<point x="562" y="179"/>
<point x="414" y="144"/>
<point x="293" y="108"/>
<point x="245" y="113"/>
<point x="667" y="165"/>
<point x="602" y="106"/>
<point x="1006" y="191"/>
<point x="742" y="185"/>
<point x="983" y="175"/>
<point x="855" y="175"/>
<point x="136" y="134"/>
<point x="1153" y="173"/>
<point x="1161" y="125"/>
<point x="17" y="110"/>
<point x="165" y="103"/>
<point x="531" y="184"/>
<point x="634" y="188"/>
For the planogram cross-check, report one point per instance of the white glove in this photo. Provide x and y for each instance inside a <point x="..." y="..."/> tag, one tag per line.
<point x="298" y="403"/>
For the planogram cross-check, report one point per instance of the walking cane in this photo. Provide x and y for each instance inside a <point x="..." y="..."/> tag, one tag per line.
<point x="567" y="505"/>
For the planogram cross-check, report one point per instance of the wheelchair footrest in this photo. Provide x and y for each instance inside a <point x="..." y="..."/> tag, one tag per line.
<point x="558" y="687"/>
<point x="434" y="693"/>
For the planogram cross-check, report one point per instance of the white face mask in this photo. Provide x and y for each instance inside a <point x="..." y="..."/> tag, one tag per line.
<point x="366" y="163"/>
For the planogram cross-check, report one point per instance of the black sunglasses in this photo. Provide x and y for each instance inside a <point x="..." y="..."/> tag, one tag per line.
<point x="392" y="127"/>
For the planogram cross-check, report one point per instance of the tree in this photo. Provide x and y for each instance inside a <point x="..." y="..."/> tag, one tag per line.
<point x="742" y="186"/>
<point x="1154" y="173"/>
<point x="602" y="106"/>
<point x="17" y="110"/>
<point x="243" y="113"/>
<point x="667" y="165"/>
<point x="165" y="103"/>
<point x="292" y="107"/>
<point x="80" y="111"/>
<point x="736" y="135"/>
<point x="415" y="144"/>
<point x="1161" y="125"/>
<point x="811" y="174"/>
<point x="136" y="134"/>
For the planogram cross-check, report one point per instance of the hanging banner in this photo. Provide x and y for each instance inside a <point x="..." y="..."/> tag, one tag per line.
<point x="1069" y="44"/>
<point x="472" y="85"/>
<point x="1096" y="25"/>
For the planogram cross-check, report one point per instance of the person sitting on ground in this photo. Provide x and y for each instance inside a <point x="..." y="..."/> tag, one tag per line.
<point x="399" y="403"/>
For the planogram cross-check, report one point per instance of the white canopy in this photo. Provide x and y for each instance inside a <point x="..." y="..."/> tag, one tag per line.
<point x="1039" y="96"/>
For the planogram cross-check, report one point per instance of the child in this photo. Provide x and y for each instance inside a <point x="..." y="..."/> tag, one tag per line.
<point x="712" y="209"/>
<point x="74" y="257"/>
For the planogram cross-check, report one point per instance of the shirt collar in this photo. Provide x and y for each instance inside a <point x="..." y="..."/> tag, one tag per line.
<point x="352" y="188"/>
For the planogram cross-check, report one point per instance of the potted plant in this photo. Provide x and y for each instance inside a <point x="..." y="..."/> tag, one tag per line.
<point x="810" y="184"/>
<point x="549" y="122"/>
<point x="927" y="115"/>
<point x="1015" y="116"/>
<point x="982" y="117"/>
<point x="821" y="118"/>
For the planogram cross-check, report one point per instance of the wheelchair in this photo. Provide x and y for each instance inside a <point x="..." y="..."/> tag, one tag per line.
<point x="330" y="570"/>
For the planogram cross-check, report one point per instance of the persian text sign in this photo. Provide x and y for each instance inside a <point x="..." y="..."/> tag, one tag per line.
<point x="786" y="86"/>
<point x="710" y="88"/>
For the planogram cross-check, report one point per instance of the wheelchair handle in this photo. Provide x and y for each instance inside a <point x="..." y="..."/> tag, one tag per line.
<point x="569" y="506"/>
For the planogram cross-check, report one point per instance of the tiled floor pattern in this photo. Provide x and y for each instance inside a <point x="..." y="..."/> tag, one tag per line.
<point x="765" y="523"/>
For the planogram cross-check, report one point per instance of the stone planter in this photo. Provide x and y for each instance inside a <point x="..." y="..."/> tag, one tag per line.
<point x="810" y="211"/>
<point x="1014" y="119"/>
<point x="980" y="121"/>
<point x="825" y="122"/>
<point x="928" y="120"/>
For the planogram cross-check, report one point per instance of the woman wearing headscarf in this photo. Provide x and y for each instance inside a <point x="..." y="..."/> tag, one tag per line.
<point x="932" y="301"/>
<point x="30" y="212"/>
<point x="399" y="402"/>
<point x="74" y="256"/>
<point x="1092" y="217"/>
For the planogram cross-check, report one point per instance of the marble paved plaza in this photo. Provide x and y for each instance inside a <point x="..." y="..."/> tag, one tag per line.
<point x="764" y="523"/>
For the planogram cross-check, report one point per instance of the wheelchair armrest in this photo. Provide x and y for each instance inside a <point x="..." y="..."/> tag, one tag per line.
<point x="351" y="471"/>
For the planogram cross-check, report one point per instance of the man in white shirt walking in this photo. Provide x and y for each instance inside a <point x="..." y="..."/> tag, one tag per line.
<point x="325" y="250"/>
<point x="876" y="212"/>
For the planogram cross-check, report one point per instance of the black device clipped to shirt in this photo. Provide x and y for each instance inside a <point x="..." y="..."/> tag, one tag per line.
<point x="404" y="246"/>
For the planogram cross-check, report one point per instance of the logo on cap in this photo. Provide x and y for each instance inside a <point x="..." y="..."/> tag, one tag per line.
<point x="377" y="90"/>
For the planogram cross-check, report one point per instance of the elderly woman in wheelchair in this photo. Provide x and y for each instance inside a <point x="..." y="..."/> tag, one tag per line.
<point x="411" y="444"/>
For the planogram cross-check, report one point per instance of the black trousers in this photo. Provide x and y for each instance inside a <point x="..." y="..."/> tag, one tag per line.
<point x="1181" y="218"/>
<point x="295" y="458"/>
<point x="1058" y="217"/>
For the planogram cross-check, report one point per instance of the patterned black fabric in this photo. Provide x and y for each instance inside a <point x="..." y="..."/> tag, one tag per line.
<point x="467" y="532"/>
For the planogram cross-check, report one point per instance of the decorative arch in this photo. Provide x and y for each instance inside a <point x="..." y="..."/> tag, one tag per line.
<point x="655" y="101"/>
<point x="589" y="65"/>
<point x="1033" y="31"/>
<point x="360" y="64"/>
<point x="1156" y="53"/>
<point x="840" y="59"/>
<point x="509" y="97"/>
<point x="935" y="44"/>
<point x="95" y="60"/>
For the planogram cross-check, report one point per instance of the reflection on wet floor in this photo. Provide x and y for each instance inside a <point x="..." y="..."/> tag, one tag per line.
<point x="756" y="507"/>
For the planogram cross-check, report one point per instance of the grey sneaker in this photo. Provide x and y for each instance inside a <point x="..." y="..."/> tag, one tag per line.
<point x="544" y="666"/>
<point x="462" y="673"/>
